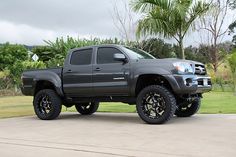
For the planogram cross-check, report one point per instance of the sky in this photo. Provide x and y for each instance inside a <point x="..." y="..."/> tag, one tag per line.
<point x="32" y="21"/>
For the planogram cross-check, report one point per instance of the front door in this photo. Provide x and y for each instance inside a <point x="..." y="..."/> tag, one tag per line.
<point x="110" y="77"/>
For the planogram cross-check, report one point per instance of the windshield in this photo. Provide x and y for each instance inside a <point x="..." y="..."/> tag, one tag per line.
<point x="137" y="53"/>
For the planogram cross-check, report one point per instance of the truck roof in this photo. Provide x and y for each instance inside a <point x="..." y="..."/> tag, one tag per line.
<point x="102" y="45"/>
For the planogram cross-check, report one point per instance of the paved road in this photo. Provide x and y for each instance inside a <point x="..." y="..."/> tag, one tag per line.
<point x="109" y="134"/>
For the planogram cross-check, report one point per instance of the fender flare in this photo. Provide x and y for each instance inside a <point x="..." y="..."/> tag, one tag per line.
<point x="50" y="77"/>
<point x="148" y="71"/>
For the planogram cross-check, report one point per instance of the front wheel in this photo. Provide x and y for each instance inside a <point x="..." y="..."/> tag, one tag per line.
<point x="189" y="109"/>
<point x="155" y="104"/>
<point x="47" y="104"/>
<point x="87" y="108"/>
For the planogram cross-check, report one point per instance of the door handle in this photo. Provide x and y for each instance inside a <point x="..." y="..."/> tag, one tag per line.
<point x="69" y="71"/>
<point x="97" y="69"/>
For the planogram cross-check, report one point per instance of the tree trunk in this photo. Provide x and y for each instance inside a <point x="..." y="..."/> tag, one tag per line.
<point x="215" y="67"/>
<point x="181" y="47"/>
<point x="215" y="55"/>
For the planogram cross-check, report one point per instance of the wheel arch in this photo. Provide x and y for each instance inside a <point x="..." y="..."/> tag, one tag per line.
<point x="48" y="80"/>
<point x="145" y="80"/>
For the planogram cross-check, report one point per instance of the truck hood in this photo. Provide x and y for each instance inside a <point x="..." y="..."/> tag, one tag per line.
<point x="166" y="63"/>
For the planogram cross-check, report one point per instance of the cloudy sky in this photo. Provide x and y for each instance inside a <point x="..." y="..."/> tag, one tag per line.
<point x="32" y="21"/>
<point x="29" y="21"/>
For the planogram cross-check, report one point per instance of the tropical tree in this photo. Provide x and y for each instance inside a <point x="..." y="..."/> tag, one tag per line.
<point x="157" y="48"/>
<point x="169" y="18"/>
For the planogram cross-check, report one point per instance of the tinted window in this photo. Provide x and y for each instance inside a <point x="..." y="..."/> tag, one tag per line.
<point x="106" y="55"/>
<point x="81" y="57"/>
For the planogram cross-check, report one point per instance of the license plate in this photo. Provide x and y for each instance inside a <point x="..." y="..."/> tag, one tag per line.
<point x="205" y="82"/>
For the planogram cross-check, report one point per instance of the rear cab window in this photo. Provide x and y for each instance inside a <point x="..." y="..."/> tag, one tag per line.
<point x="81" y="57"/>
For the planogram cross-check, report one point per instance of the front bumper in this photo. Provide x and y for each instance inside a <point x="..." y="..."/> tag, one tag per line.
<point x="189" y="84"/>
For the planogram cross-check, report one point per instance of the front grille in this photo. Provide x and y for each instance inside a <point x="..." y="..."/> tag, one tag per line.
<point x="200" y="69"/>
<point x="204" y="82"/>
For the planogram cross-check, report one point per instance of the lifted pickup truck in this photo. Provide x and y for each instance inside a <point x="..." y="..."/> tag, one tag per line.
<point x="160" y="88"/>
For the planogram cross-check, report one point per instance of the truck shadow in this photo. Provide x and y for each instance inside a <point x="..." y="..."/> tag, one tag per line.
<point x="121" y="118"/>
<point x="103" y="117"/>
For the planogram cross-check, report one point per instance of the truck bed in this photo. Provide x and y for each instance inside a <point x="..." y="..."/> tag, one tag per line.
<point x="55" y="70"/>
<point x="29" y="78"/>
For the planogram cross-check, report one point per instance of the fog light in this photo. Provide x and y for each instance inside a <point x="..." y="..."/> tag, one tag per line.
<point x="188" y="82"/>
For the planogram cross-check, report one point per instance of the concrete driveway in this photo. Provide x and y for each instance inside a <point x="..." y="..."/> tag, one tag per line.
<point x="113" y="134"/>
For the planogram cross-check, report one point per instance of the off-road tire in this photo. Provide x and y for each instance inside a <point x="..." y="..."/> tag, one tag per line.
<point x="87" y="108"/>
<point x="167" y="98"/>
<point x="55" y="104"/>
<point x="188" y="111"/>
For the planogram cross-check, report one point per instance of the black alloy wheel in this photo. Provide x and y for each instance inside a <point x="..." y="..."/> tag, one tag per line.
<point x="155" y="104"/>
<point x="189" y="109"/>
<point x="87" y="108"/>
<point x="47" y="104"/>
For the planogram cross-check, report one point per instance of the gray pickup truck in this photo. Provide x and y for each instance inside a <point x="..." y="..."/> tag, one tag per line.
<point x="160" y="88"/>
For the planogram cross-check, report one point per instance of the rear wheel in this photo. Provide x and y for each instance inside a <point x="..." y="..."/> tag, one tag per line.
<point x="47" y="104"/>
<point x="87" y="108"/>
<point x="155" y="104"/>
<point x="189" y="109"/>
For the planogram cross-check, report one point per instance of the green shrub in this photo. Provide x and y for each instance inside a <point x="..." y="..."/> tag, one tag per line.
<point x="19" y="67"/>
<point x="232" y="63"/>
<point x="5" y="80"/>
<point x="10" y="54"/>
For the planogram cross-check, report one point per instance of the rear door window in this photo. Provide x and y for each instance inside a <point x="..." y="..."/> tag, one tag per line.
<point x="81" y="57"/>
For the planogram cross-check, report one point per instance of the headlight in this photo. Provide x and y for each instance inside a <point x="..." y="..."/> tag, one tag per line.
<point x="183" y="68"/>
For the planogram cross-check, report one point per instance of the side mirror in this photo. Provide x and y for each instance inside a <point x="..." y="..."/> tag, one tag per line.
<point x="119" y="57"/>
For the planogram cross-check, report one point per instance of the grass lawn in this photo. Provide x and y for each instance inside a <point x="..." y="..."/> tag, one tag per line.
<point x="214" y="102"/>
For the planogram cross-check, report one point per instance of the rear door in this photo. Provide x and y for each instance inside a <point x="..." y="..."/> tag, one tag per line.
<point x="110" y="77"/>
<point x="77" y="74"/>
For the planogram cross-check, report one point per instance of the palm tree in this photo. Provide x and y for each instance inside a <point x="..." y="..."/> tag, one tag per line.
<point x="169" y="18"/>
